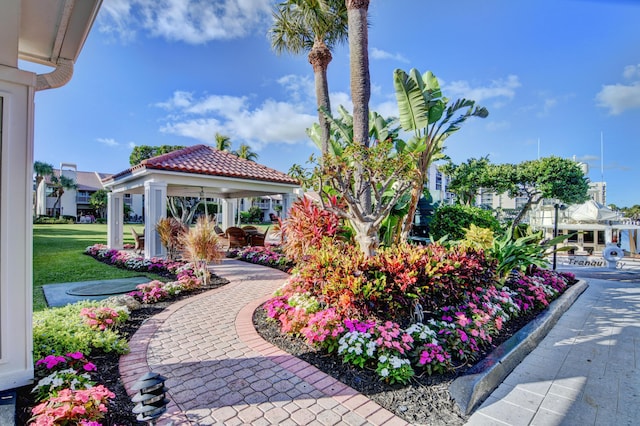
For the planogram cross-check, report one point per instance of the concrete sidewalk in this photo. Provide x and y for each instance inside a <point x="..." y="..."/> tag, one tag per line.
<point x="585" y="372"/>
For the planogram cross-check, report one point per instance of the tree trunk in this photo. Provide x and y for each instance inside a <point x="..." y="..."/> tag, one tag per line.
<point x="524" y="210"/>
<point x="416" y="192"/>
<point x="366" y="237"/>
<point x="319" y="58"/>
<point x="360" y="84"/>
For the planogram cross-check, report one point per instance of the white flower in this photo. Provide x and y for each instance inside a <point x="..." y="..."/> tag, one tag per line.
<point x="384" y="372"/>
<point x="383" y="359"/>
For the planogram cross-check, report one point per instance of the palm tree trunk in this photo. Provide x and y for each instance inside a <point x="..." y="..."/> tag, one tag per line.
<point x="360" y="84"/>
<point x="319" y="58"/>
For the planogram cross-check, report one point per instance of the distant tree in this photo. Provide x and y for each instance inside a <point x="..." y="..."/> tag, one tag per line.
<point x="466" y="179"/>
<point x="244" y="151"/>
<point x="315" y="26"/>
<point x="60" y="185"/>
<point x="223" y="143"/>
<point x="549" y="177"/>
<point x="41" y="171"/>
<point x="144" y="152"/>
<point x="98" y="201"/>
<point x="632" y="212"/>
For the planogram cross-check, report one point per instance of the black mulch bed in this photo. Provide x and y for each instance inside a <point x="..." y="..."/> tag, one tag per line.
<point x="425" y="400"/>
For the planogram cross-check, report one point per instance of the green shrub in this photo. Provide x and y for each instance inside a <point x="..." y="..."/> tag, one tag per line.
<point x="63" y="330"/>
<point x="48" y="220"/>
<point x="452" y="221"/>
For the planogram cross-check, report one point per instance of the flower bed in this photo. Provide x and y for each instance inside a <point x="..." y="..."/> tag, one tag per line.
<point x="267" y="256"/>
<point x="134" y="262"/>
<point x="407" y="310"/>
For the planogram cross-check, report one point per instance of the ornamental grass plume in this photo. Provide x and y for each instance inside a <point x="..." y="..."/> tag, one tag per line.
<point x="201" y="246"/>
<point x="170" y="231"/>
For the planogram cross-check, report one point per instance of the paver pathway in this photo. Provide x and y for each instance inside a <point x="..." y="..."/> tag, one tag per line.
<point x="585" y="371"/>
<point x="221" y="372"/>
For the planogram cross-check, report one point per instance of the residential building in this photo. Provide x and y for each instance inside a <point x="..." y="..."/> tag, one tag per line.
<point x="76" y="202"/>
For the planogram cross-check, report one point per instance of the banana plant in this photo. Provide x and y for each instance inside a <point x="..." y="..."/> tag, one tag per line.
<point x="432" y="119"/>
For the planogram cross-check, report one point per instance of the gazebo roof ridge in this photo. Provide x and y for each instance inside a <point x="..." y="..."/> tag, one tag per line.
<point x="206" y="160"/>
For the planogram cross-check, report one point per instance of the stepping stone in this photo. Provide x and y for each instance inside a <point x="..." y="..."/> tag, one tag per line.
<point x="65" y="293"/>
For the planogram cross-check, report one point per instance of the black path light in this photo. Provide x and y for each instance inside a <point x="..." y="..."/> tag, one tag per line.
<point x="150" y="398"/>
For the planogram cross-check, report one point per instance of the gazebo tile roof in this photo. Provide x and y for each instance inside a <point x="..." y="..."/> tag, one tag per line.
<point x="206" y="160"/>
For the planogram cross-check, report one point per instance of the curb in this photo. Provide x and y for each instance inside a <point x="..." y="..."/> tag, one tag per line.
<point x="470" y="390"/>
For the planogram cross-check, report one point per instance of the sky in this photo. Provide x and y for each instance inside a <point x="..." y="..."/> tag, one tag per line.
<point x="559" y="77"/>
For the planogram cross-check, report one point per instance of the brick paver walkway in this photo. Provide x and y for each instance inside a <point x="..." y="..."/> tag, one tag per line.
<point x="221" y="372"/>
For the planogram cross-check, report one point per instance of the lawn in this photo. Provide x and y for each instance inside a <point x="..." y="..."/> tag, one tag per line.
<point x="58" y="257"/>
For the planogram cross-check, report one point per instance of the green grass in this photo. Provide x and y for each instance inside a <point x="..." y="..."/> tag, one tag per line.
<point x="58" y="257"/>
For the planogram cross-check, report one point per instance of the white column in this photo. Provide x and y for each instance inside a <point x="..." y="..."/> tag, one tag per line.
<point x="115" y="211"/>
<point x="155" y="208"/>
<point x="287" y="201"/>
<point x="227" y="207"/>
<point x="17" y="90"/>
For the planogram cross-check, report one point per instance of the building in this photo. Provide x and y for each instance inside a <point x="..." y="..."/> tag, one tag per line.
<point x="76" y="202"/>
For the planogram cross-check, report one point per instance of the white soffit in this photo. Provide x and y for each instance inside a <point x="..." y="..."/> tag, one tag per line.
<point x="51" y="30"/>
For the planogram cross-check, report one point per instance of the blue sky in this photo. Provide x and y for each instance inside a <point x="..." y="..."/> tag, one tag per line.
<point x="555" y="75"/>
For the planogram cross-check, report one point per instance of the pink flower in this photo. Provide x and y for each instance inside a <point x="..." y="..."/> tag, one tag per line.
<point x="89" y="366"/>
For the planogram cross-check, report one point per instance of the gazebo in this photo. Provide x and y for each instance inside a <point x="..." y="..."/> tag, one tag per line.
<point x="195" y="171"/>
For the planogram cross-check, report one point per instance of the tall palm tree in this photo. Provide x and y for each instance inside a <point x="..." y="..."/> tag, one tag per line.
<point x="41" y="170"/>
<point x="60" y="185"/>
<point x="244" y="151"/>
<point x="315" y="26"/>
<point x="223" y="143"/>
<point x="357" y="11"/>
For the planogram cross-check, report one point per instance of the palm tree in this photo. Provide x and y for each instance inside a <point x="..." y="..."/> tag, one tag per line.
<point x="360" y="82"/>
<point x="244" y="151"/>
<point x="223" y="143"/>
<point x="315" y="26"/>
<point x="41" y="170"/>
<point x="60" y="184"/>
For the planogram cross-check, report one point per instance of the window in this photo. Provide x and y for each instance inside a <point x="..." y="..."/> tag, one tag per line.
<point x="587" y="237"/>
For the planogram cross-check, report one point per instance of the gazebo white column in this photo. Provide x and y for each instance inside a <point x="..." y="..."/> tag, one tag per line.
<point x="17" y="89"/>
<point x="228" y="208"/>
<point x="287" y="201"/>
<point x="155" y="208"/>
<point x="115" y="212"/>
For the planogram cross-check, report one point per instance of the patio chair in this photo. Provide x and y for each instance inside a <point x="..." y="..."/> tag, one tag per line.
<point x="237" y="237"/>
<point x="258" y="239"/>
<point x="139" y="239"/>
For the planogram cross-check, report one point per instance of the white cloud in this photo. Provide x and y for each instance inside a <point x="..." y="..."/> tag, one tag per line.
<point x="271" y="122"/>
<point x="381" y="54"/>
<point x="299" y="88"/>
<point x="631" y="72"/>
<point x="131" y="145"/>
<point x="619" y="97"/>
<point x="494" y="126"/>
<point x="190" y="21"/>
<point x="498" y="90"/>
<point x="108" y="141"/>
<point x="180" y="99"/>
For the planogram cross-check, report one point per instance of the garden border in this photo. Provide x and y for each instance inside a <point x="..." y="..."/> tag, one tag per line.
<point x="473" y="388"/>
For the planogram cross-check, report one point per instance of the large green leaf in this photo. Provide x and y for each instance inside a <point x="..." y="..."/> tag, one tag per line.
<point x="411" y="102"/>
